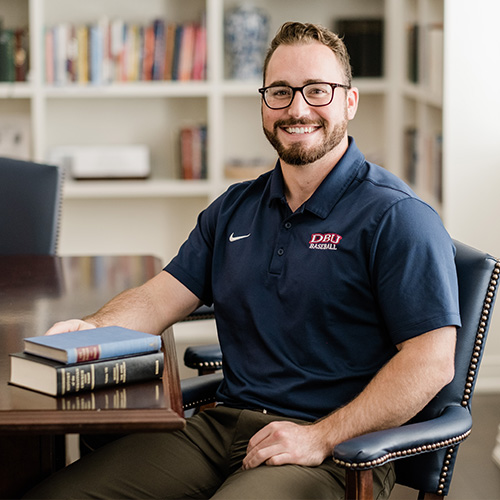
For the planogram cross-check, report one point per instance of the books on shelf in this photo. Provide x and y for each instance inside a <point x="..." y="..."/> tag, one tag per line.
<point x="90" y="345"/>
<point x="425" y="46"/>
<point x="14" y="52"/>
<point x="74" y="362"/>
<point x="193" y="152"/>
<point x="423" y="158"/>
<point x="364" y="39"/>
<point x="110" y="51"/>
<point x="60" y="379"/>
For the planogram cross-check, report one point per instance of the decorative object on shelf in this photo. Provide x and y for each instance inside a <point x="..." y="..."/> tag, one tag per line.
<point x="246" y="32"/>
<point x="15" y="136"/>
<point x="241" y="170"/>
<point x="103" y="162"/>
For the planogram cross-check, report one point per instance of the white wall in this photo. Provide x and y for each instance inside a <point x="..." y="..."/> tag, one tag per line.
<point x="471" y="132"/>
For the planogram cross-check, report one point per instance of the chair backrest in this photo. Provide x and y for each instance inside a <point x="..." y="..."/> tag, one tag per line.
<point x="30" y="206"/>
<point x="478" y="275"/>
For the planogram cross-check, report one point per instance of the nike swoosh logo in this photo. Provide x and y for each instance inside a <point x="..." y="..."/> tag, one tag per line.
<point x="236" y="238"/>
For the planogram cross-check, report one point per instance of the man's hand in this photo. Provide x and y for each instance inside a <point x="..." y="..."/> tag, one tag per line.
<point x="280" y="443"/>
<point x="70" y="325"/>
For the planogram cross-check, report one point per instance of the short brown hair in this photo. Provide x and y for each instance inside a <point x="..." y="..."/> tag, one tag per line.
<point x="295" y="33"/>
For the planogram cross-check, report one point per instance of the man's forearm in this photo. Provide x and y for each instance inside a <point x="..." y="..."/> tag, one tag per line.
<point x="130" y="309"/>
<point x="399" y="391"/>
<point x="151" y="307"/>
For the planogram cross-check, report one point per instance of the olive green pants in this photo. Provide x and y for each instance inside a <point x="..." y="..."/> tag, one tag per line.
<point x="202" y="461"/>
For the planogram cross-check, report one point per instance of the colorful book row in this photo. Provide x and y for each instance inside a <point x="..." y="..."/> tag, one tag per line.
<point x="111" y="51"/>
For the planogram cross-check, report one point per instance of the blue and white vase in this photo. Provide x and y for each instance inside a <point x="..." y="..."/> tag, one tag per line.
<point x="246" y="31"/>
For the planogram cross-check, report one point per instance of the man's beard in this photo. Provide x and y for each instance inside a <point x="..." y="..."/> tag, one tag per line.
<point x="299" y="155"/>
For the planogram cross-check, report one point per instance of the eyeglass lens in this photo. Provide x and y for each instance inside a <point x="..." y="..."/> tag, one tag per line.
<point x="315" y="94"/>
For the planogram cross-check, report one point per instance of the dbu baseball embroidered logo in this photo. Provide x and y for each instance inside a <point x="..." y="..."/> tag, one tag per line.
<point x="324" y="241"/>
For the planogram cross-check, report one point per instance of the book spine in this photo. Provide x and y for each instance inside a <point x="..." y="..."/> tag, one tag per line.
<point x="7" y="48"/>
<point x="113" y="372"/>
<point x="113" y="350"/>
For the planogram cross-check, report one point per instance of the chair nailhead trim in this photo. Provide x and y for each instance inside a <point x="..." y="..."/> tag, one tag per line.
<point x="199" y="402"/>
<point x="478" y="346"/>
<point x="405" y="453"/>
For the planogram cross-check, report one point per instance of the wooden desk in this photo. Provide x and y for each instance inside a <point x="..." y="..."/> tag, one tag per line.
<point x="34" y="293"/>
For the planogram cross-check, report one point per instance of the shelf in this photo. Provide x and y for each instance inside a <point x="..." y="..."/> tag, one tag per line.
<point x="150" y="188"/>
<point x="129" y="90"/>
<point x="18" y="90"/>
<point x="423" y="95"/>
<point x="169" y="89"/>
<point x="371" y="85"/>
<point x="239" y="88"/>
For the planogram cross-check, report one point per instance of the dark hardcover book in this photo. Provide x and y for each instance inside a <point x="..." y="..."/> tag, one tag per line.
<point x="364" y="39"/>
<point x="90" y="345"/>
<point x="410" y="155"/>
<point x="413" y="35"/>
<point x="59" y="379"/>
<point x="159" y="50"/>
<point x="21" y="55"/>
<point x="7" y="52"/>
<point x="177" y="49"/>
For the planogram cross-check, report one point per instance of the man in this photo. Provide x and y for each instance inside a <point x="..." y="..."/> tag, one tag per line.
<point x="336" y="303"/>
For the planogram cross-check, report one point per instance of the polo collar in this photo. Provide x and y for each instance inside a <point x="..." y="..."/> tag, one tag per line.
<point x="331" y="189"/>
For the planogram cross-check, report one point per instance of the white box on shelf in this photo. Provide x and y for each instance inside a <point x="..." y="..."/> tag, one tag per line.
<point x="103" y="162"/>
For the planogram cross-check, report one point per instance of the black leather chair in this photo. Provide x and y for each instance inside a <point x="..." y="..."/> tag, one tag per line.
<point x="426" y="448"/>
<point x="30" y="206"/>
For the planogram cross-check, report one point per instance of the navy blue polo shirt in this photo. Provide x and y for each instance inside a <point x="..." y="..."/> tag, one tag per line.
<point x="310" y="305"/>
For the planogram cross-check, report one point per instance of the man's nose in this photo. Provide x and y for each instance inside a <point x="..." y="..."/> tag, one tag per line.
<point x="298" y="106"/>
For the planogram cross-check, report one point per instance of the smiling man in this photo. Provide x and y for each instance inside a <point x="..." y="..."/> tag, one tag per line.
<point x="336" y="302"/>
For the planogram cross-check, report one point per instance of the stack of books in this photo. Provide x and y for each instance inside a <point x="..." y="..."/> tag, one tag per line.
<point x="74" y="362"/>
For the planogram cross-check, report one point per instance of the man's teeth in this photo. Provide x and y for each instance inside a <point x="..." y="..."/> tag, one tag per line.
<point x="300" y="130"/>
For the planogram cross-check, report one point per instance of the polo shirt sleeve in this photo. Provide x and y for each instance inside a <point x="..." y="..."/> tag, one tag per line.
<point x="413" y="271"/>
<point x="192" y="266"/>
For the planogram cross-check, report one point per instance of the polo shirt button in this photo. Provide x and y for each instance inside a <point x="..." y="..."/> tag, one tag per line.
<point x="280" y="252"/>
<point x="288" y="225"/>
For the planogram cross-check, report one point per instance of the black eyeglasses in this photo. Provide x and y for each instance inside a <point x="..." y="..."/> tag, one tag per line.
<point x="315" y="94"/>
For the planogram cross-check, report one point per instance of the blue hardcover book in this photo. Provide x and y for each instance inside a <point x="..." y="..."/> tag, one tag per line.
<point x="89" y="345"/>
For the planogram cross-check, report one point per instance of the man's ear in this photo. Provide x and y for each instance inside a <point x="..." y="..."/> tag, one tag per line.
<point x="352" y="102"/>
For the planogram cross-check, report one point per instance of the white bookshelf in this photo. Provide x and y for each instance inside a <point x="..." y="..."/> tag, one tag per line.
<point x="152" y="112"/>
<point x="155" y="216"/>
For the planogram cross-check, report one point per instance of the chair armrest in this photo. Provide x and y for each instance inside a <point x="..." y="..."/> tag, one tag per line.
<point x="203" y="357"/>
<point x="377" y="448"/>
<point x="199" y="391"/>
